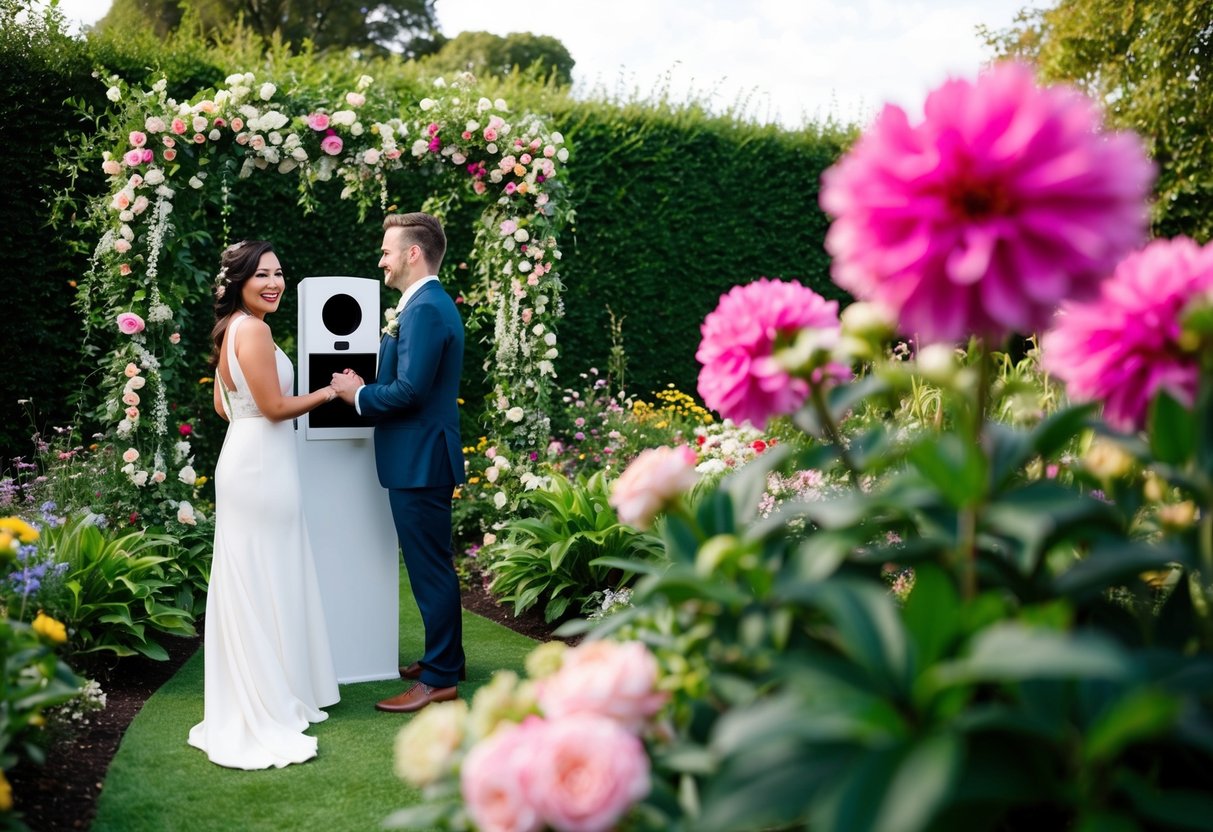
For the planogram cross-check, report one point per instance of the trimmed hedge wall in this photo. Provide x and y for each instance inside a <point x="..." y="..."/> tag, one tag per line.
<point x="674" y="207"/>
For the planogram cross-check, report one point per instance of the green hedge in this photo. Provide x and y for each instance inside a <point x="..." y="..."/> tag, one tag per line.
<point x="673" y="208"/>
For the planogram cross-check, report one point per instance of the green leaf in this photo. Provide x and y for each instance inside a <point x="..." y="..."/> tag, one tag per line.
<point x="1172" y="429"/>
<point x="1011" y="652"/>
<point x="919" y="786"/>
<point x="930" y="613"/>
<point x="1139" y="716"/>
<point x="953" y="466"/>
<point x="1115" y="564"/>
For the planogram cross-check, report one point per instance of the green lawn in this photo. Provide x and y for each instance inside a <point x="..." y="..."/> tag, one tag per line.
<point x="158" y="783"/>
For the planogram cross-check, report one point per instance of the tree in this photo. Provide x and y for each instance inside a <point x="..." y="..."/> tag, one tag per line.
<point x="1151" y="64"/>
<point x="403" y="26"/>
<point x="483" y="53"/>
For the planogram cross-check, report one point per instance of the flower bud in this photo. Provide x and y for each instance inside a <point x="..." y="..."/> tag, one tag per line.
<point x="937" y="363"/>
<point x="1107" y="460"/>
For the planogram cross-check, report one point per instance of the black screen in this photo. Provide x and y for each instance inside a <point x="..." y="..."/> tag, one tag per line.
<point x="338" y="414"/>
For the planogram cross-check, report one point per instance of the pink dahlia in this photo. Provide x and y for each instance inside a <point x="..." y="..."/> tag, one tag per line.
<point x="1004" y="201"/>
<point x="739" y="378"/>
<point x="1123" y="347"/>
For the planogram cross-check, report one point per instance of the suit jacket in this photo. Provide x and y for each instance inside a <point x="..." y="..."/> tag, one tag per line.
<point x="414" y="402"/>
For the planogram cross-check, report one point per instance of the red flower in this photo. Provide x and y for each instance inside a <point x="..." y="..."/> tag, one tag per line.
<point x="185" y="430"/>
<point x="700" y="439"/>
<point x="759" y="446"/>
<point x="134" y="517"/>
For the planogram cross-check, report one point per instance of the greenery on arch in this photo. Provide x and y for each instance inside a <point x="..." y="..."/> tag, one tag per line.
<point x="166" y="156"/>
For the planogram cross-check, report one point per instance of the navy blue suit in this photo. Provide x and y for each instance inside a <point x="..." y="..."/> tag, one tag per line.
<point x="419" y="457"/>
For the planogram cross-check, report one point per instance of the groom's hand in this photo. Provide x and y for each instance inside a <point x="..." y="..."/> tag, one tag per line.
<point x="346" y="384"/>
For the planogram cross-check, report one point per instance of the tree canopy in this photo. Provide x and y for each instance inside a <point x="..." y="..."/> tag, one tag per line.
<point x="403" y="26"/>
<point x="1150" y="63"/>
<point x="483" y="53"/>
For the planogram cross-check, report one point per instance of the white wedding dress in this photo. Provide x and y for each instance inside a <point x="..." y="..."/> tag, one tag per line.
<point x="268" y="667"/>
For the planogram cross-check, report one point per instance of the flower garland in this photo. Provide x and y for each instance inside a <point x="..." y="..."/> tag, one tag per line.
<point x="163" y="151"/>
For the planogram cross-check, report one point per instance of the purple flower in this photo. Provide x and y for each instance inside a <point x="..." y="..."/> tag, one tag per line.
<point x="1003" y="202"/>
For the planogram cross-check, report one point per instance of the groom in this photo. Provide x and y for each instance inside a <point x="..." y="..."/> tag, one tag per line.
<point x="418" y="454"/>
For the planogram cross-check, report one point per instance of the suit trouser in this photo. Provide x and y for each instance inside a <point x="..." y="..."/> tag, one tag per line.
<point x="423" y="526"/>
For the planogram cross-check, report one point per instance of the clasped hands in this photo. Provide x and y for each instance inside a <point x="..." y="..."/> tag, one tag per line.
<point x="346" y="383"/>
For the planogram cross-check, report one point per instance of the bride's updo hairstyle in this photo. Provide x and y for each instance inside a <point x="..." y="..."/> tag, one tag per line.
<point x="237" y="263"/>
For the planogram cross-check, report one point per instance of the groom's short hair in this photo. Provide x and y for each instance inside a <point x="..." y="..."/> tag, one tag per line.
<point x="424" y="230"/>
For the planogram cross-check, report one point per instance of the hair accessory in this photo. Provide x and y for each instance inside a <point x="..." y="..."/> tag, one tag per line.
<point x="221" y="281"/>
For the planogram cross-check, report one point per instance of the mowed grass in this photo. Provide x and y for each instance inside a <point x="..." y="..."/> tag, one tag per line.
<point x="158" y="783"/>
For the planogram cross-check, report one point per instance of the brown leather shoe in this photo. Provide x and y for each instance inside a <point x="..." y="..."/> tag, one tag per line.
<point x="416" y="698"/>
<point x="413" y="671"/>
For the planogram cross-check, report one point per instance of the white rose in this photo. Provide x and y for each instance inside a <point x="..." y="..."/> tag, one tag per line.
<point x="522" y="235"/>
<point x="420" y="147"/>
<point x="515" y="414"/>
<point x="214" y="135"/>
<point x="154" y="176"/>
<point x="344" y="117"/>
<point x="538" y="330"/>
<point x="195" y="183"/>
<point x="499" y="499"/>
<point x="356" y="128"/>
<point x="491" y="474"/>
<point x="267" y="91"/>
<point x="371" y="157"/>
<point x="140" y="478"/>
<point x="550" y="339"/>
<point x="563" y="154"/>
<point x="299" y="154"/>
<point x="428" y="104"/>
<point x="113" y="94"/>
<point x="499" y="103"/>
<point x="187" y="475"/>
<point x="364" y="81"/>
<point x="232" y="80"/>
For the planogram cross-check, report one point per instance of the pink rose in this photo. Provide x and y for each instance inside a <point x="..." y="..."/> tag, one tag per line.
<point x="393" y="154"/>
<point x="185" y="429"/>
<point x="175" y="338"/>
<point x="655" y="478"/>
<point x="133" y="157"/>
<point x="510" y="187"/>
<point x="370" y="157"/>
<point x="129" y="323"/>
<point x="199" y="138"/>
<point x="132" y="413"/>
<point x="508" y="227"/>
<point x="199" y="123"/>
<point x="237" y="124"/>
<point x="607" y="678"/>
<point x="130" y="455"/>
<point x="587" y="774"/>
<point x="124" y="270"/>
<point x="121" y="246"/>
<point x="219" y="122"/>
<point x="111" y="167"/>
<point x="130" y="397"/>
<point x="493" y="779"/>
<point x="131" y="370"/>
<point x="178" y="127"/>
<point x="355" y="99"/>
<point x="153" y="124"/>
<point x="137" y="138"/>
<point x="318" y="121"/>
<point x="479" y="187"/>
<point x="490" y="135"/>
<point x="169" y="141"/>
<point x="331" y="145"/>
<point x="170" y="155"/>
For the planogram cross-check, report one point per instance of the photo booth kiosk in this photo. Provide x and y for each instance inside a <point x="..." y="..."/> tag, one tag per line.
<point x="348" y="518"/>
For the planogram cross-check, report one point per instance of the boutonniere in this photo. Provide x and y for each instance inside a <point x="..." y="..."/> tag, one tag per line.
<point x="392" y="316"/>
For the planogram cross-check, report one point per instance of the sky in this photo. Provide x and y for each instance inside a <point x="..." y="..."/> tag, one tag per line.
<point x="784" y="61"/>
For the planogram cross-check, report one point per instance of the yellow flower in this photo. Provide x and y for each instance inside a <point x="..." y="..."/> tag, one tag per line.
<point x="49" y="628"/>
<point x="205" y="380"/>
<point x="473" y="480"/>
<point x="198" y="483"/>
<point x="8" y="544"/>
<point x="6" y="794"/>
<point x="19" y="528"/>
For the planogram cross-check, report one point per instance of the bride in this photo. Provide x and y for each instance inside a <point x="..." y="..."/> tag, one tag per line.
<point x="268" y="668"/>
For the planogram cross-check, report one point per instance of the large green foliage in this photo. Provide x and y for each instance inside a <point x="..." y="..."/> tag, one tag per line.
<point x="400" y="25"/>
<point x="1150" y="64"/>
<point x="484" y="53"/>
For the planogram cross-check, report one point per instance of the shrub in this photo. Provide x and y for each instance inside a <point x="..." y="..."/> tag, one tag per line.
<point x="570" y="552"/>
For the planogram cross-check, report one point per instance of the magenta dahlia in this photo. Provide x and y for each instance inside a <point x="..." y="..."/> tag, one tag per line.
<point x="739" y="378"/>
<point x="1124" y="346"/>
<point x="1004" y="201"/>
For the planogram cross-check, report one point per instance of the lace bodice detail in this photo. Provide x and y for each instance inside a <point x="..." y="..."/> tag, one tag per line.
<point x="239" y="403"/>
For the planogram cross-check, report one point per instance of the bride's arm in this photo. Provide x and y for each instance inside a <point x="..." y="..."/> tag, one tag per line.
<point x="255" y="351"/>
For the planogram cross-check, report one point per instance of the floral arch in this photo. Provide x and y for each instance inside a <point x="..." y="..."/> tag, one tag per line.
<point x="164" y="153"/>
